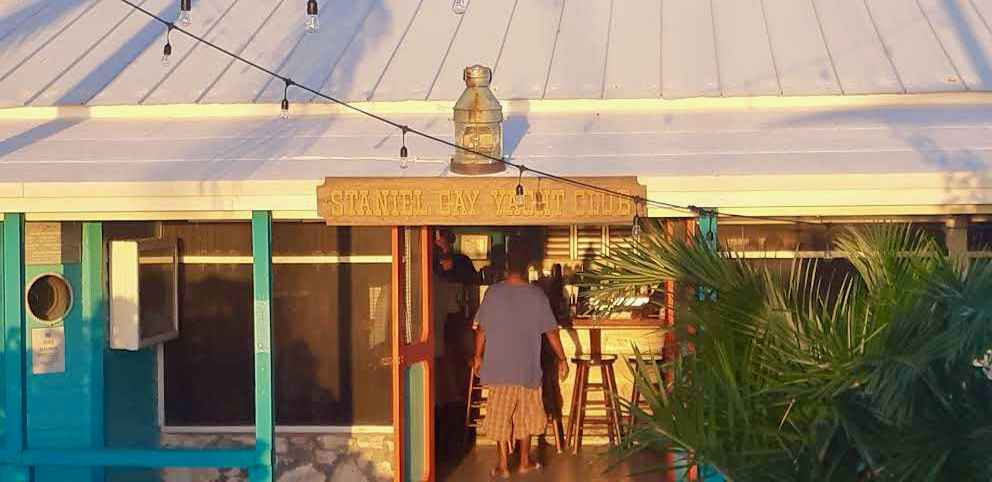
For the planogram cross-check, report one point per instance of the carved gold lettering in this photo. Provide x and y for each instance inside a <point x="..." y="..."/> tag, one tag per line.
<point x="337" y="209"/>
<point x="444" y="202"/>
<point x="406" y="207"/>
<point x="557" y="199"/>
<point x="459" y="203"/>
<point x="624" y="204"/>
<point x="419" y="207"/>
<point x="350" y="195"/>
<point x="472" y="196"/>
<point x="394" y="195"/>
<point x="581" y="200"/>
<point x="381" y="207"/>
<point x="498" y="196"/>
<point x="363" y="203"/>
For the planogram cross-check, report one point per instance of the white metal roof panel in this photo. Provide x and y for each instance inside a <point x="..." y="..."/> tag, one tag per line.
<point x="743" y="49"/>
<point x="910" y="42"/>
<point x="521" y="71"/>
<point x="410" y="74"/>
<point x="89" y="74"/>
<point x="801" y="58"/>
<point x="276" y="46"/>
<point x="478" y="40"/>
<point x="855" y="48"/>
<point x="635" y="39"/>
<point x="196" y="73"/>
<point x="964" y="37"/>
<point x="146" y="72"/>
<point x="369" y="53"/>
<point x="58" y="53"/>
<point x="578" y="63"/>
<point x="689" y="66"/>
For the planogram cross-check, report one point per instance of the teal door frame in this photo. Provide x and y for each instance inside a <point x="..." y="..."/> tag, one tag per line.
<point x="16" y="460"/>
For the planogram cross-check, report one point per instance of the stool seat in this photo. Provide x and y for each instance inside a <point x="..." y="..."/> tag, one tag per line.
<point x="580" y="401"/>
<point x="594" y="360"/>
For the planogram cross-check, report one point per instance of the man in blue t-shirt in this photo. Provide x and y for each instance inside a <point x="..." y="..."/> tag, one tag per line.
<point x="513" y="317"/>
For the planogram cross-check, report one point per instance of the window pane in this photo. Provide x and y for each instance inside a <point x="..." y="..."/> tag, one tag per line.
<point x="318" y="239"/>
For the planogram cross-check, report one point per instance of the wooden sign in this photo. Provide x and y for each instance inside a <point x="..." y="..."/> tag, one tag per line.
<point x="476" y="201"/>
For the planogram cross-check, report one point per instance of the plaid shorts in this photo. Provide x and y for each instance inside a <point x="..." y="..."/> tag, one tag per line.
<point x="513" y="413"/>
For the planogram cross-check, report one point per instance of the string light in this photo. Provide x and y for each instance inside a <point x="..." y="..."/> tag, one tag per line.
<point x="167" y="50"/>
<point x="459" y="6"/>
<point x="185" y="19"/>
<point x="185" y="12"/>
<point x="635" y="227"/>
<point x="313" y="20"/>
<point x="404" y="160"/>
<point x="520" y="187"/>
<point x="284" y="112"/>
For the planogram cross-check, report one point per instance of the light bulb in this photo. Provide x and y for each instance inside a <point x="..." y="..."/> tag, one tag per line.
<point x="635" y="229"/>
<point x="185" y="6"/>
<point x="313" y="20"/>
<point x="459" y="6"/>
<point x="404" y="159"/>
<point x="285" y="109"/>
<point x="520" y="195"/>
<point x="185" y="19"/>
<point x="166" y="55"/>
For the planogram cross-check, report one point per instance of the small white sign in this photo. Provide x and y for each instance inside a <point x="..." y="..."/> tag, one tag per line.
<point x="47" y="350"/>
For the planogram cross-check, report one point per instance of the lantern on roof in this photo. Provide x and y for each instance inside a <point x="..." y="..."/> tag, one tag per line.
<point x="478" y="125"/>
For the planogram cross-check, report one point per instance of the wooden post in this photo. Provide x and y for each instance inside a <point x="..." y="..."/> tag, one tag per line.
<point x="261" y="247"/>
<point x="13" y="347"/>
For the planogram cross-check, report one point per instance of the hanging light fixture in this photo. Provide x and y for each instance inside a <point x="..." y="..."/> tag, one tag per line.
<point x="404" y="153"/>
<point x="459" y="6"/>
<point x="635" y="227"/>
<point x="167" y="50"/>
<point x="313" y="20"/>
<point x="185" y="15"/>
<point x="284" y="112"/>
<point x="520" y="188"/>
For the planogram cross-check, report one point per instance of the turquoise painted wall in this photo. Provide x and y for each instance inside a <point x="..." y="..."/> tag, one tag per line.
<point x="59" y="408"/>
<point x="3" y="411"/>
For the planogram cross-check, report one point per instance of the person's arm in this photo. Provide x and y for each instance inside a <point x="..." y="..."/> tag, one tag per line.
<point x="480" y="347"/>
<point x="554" y="339"/>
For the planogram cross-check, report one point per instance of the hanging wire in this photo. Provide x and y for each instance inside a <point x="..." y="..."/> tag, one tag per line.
<point x="538" y="172"/>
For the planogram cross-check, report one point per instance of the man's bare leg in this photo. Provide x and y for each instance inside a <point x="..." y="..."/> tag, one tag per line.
<point x="526" y="465"/>
<point x="502" y="469"/>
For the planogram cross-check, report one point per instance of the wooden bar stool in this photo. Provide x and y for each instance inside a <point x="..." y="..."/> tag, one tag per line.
<point x="635" y="393"/>
<point x="475" y="409"/>
<point x="578" y="419"/>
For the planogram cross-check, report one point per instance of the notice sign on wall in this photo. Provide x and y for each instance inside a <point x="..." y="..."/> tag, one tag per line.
<point x="480" y="201"/>
<point x="47" y="350"/>
<point x="52" y="243"/>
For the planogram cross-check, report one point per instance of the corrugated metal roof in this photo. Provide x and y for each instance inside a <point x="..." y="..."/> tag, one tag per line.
<point x="100" y="52"/>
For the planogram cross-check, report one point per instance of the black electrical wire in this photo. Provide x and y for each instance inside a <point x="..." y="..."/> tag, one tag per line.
<point x="635" y="199"/>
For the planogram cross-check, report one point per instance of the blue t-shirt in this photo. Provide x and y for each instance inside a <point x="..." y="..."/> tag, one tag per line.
<point x="514" y="317"/>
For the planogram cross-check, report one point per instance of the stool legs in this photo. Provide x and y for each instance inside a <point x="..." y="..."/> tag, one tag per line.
<point x="612" y="404"/>
<point x="577" y="391"/>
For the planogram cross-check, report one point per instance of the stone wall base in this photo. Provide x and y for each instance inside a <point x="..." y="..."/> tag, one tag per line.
<point x="310" y="457"/>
